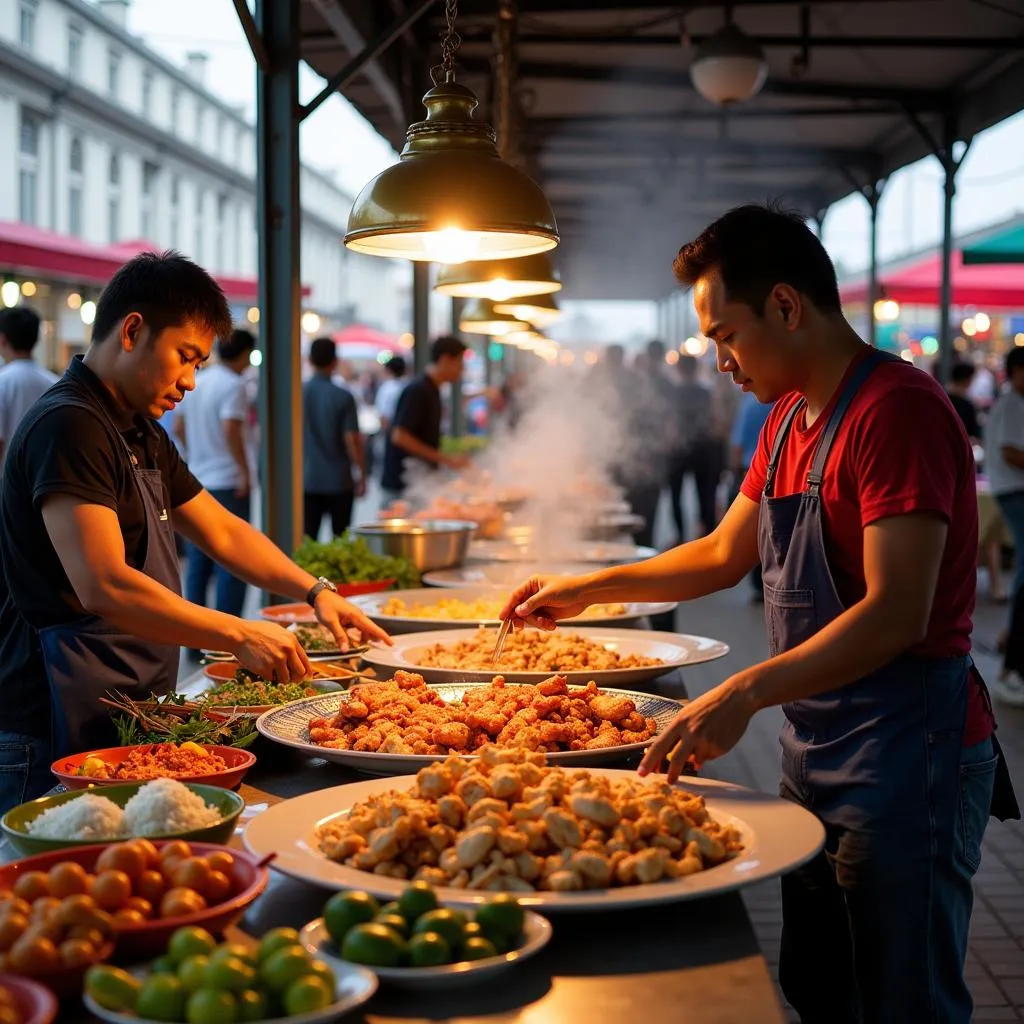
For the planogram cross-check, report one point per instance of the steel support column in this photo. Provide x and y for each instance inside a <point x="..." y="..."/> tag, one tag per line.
<point x="458" y="417"/>
<point x="950" y="165"/>
<point x="873" y="196"/>
<point x="278" y="216"/>
<point x="420" y="315"/>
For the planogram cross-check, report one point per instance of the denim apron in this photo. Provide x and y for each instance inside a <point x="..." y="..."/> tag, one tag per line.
<point x="88" y="658"/>
<point x="875" y="928"/>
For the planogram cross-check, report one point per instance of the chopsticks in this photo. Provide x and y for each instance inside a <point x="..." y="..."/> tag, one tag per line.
<point x="499" y="644"/>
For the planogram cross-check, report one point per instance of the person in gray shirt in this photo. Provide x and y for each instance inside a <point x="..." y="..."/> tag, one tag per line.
<point x="332" y="446"/>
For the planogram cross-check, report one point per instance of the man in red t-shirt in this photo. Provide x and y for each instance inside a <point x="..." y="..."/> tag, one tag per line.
<point x="860" y="506"/>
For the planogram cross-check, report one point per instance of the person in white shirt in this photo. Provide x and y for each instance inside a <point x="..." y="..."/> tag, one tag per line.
<point x="22" y="379"/>
<point x="213" y="422"/>
<point x="390" y="391"/>
<point x="1004" y="464"/>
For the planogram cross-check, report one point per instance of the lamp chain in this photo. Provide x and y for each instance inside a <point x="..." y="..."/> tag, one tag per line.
<point x="450" y="43"/>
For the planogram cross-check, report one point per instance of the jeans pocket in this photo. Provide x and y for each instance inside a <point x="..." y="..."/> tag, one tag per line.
<point x="976" y="781"/>
<point x="15" y="766"/>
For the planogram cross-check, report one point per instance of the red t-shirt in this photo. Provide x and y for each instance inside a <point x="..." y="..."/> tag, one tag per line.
<point x="900" y="448"/>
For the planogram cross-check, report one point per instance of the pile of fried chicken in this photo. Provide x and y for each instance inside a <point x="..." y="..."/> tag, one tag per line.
<point x="405" y="716"/>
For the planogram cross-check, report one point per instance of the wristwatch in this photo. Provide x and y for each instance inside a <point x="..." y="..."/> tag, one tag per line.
<point x="321" y="585"/>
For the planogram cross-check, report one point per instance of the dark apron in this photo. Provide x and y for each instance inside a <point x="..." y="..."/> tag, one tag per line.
<point x="88" y="658"/>
<point x="858" y="734"/>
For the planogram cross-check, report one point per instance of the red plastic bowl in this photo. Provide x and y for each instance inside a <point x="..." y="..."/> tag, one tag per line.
<point x="150" y="939"/>
<point x="286" y="614"/>
<point x="238" y="762"/>
<point x="36" y="1003"/>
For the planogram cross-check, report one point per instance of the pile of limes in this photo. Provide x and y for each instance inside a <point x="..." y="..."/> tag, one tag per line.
<point x="200" y="982"/>
<point x="415" y="931"/>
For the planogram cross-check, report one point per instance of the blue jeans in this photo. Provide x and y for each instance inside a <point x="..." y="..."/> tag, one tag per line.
<point x="24" y="769"/>
<point x="875" y="927"/>
<point x="1012" y="507"/>
<point x="230" y="591"/>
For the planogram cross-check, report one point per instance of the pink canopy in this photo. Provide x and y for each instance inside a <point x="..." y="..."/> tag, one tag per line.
<point x="368" y="337"/>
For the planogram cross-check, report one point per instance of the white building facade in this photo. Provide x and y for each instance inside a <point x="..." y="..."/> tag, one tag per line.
<point x="109" y="143"/>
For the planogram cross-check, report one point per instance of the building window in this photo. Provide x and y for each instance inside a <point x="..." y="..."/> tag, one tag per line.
<point x="175" y="109"/>
<point x="114" y="198"/>
<point x="175" y="213"/>
<point x="113" y="72"/>
<point x="200" y="123"/>
<point x="222" y="231"/>
<point x="27" y="24"/>
<point x="147" y="93"/>
<point x="197" y="243"/>
<point x="28" y="169"/>
<point x="74" y="51"/>
<point x="149" y="176"/>
<point x="76" y="166"/>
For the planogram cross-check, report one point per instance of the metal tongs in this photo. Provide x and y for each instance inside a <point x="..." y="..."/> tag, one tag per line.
<point x="499" y="644"/>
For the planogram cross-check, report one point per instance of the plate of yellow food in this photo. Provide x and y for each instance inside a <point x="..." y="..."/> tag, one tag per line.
<point x="431" y="608"/>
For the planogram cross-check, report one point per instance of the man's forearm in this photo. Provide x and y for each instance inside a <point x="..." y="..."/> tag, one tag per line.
<point x="865" y="637"/>
<point x="401" y="438"/>
<point x="235" y="439"/>
<point x="357" y="452"/>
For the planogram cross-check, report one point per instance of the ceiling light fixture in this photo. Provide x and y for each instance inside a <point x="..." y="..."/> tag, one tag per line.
<point x="451" y="198"/>
<point x="479" y="317"/>
<point x="540" y="310"/>
<point x="729" y="67"/>
<point x="499" y="280"/>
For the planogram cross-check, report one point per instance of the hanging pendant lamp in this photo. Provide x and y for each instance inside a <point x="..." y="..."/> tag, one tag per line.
<point x="451" y="198"/>
<point x="479" y="317"/>
<point x="499" y="280"/>
<point x="539" y="310"/>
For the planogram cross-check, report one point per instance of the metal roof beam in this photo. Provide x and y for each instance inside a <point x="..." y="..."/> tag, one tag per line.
<point x="744" y="113"/>
<point x="469" y="8"/>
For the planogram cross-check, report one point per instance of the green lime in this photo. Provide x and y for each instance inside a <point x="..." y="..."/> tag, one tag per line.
<point x="501" y="918"/>
<point x="478" y="948"/>
<point x="190" y="941"/>
<point x="252" y="1005"/>
<point x="275" y="939"/>
<point x="395" y="922"/>
<point x="192" y="972"/>
<point x="161" y="997"/>
<point x="320" y="970"/>
<point x="428" y="949"/>
<point x="234" y="950"/>
<point x="417" y="900"/>
<point x="307" y="995"/>
<point x="373" y="945"/>
<point x="112" y="988"/>
<point x="280" y="969"/>
<point x="211" y="1006"/>
<point x="164" y="965"/>
<point x="345" y="910"/>
<point x="230" y="974"/>
<point x="449" y="924"/>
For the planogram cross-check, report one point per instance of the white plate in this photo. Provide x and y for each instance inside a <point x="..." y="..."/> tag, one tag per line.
<point x="501" y="575"/>
<point x="673" y="649"/>
<point x="371" y="603"/>
<point x="355" y="986"/>
<point x="289" y="726"/>
<point x="778" y="836"/>
<point x="536" y="932"/>
<point x="598" y="552"/>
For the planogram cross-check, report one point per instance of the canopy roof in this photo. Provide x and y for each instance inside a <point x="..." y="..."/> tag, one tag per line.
<point x="1006" y="246"/>
<point x="636" y="163"/>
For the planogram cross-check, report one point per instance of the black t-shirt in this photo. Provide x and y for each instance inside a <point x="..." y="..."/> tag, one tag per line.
<point x="60" y="448"/>
<point x="964" y="408"/>
<point x="419" y="412"/>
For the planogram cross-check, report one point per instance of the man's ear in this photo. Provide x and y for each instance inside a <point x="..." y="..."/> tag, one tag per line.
<point x="133" y="329"/>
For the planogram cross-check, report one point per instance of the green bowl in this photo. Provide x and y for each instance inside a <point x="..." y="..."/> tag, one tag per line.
<point x="15" y="822"/>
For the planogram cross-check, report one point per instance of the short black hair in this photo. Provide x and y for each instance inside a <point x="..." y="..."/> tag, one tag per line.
<point x="237" y="343"/>
<point x="688" y="365"/>
<point x="754" y="248"/>
<point x="20" y="326"/>
<point x="323" y="352"/>
<point x="656" y="350"/>
<point x="962" y="373"/>
<point x="1014" y="360"/>
<point x="168" y="290"/>
<point x="396" y="366"/>
<point x="615" y="355"/>
<point x="446" y="345"/>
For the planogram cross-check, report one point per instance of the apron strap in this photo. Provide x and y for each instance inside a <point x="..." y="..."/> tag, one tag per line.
<point x="780" y="439"/>
<point x="867" y="366"/>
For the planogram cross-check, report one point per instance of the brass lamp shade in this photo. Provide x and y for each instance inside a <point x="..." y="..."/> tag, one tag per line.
<point x="500" y="280"/>
<point x="539" y="310"/>
<point x="479" y="317"/>
<point x="451" y="198"/>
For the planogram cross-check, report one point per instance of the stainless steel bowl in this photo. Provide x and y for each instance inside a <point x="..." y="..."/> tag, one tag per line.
<point x="428" y="543"/>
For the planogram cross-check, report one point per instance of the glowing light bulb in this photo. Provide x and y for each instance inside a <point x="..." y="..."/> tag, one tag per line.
<point x="981" y="320"/>
<point x="450" y="245"/>
<point x="253" y="315"/>
<point x="695" y="346"/>
<point x="88" y="312"/>
<point x="255" y="357"/>
<point x="10" y="292"/>
<point x="405" y="340"/>
<point x="74" y="301"/>
<point x="310" y="323"/>
<point x="28" y="289"/>
<point x="969" y="327"/>
<point x="1018" y="339"/>
<point x="907" y="356"/>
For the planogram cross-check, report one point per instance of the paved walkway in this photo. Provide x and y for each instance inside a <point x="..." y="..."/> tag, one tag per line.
<point x="995" y="964"/>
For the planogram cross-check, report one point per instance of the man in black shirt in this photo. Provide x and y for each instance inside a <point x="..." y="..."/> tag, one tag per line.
<point x="416" y="428"/>
<point x="92" y="494"/>
<point x="960" y="377"/>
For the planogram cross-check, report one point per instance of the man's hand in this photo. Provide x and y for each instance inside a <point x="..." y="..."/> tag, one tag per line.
<point x="334" y="612"/>
<point x="705" y="728"/>
<point x="455" y="462"/>
<point x="244" y="487"/>
<point x="270" y="651"/>
<point x="543" y="600"/>
<point x="360" y="488"/>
